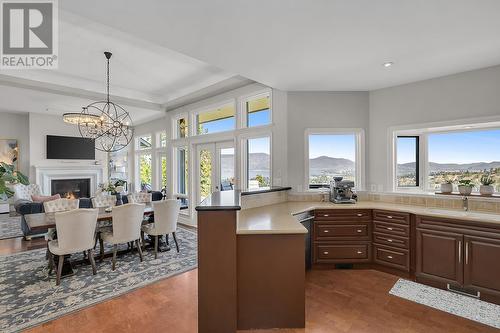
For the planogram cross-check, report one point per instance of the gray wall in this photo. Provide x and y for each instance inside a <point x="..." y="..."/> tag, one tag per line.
<point x="320" y="110"/>
<point x="466" y="95"/>
<point x="16" y="126"/>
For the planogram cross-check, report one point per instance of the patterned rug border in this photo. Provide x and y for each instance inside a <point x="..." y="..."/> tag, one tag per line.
<point x="97" y="301"/>
<point x="12" y="234"/>
<point x="102" y="299"/>
<point x="398" y="290"/>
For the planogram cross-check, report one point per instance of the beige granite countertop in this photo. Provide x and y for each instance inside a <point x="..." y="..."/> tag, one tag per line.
<point x="279" y="219"/>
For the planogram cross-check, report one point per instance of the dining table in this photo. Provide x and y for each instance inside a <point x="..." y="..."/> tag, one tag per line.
<point x="40" y="222"/>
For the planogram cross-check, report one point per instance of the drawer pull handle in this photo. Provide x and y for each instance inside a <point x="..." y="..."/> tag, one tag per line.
<point x="389" y="257"/>
<point x="389" y="228"/>
<point x="326" y="215"/>
<point x="359" y="230"/>
<point x="326" y="252"/>
<point x="389" y="240"/>
<point x="389" y="216"/>
<point x="359" y="214"/>
<point x="326" y="231"/>
<point x="359" y="252"/>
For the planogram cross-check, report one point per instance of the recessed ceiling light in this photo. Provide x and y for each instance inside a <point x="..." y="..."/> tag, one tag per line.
<point x="388" y="64"/>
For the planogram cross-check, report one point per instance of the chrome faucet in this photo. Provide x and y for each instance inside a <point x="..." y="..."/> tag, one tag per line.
<point x="465" y="203"/>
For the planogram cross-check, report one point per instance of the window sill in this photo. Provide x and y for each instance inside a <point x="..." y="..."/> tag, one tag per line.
<point x="427" y="194"/>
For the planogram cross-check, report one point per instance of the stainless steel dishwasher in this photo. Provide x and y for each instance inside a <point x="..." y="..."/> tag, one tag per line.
<point x="306" y="219"/>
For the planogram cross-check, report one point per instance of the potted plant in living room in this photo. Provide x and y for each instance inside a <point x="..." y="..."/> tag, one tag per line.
<point x="487" y="182"/>
<point x="447" y="186"/>
<point x="9" y="176"/>
<point x="465" y="186"/>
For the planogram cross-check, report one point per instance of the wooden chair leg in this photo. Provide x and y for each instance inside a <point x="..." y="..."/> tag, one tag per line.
<point x="59" y="270"/>
<point x="139" y="249"/>
<point x="156" y="247"/>
<point x="115" y="248"/>
<point x="47" y="253"/>
<point x="92" y="261"/>
<point x="51" y="263"/>
<point x="101" y="248"/>
<point x="175" y="240"/>
<point x="143" y="241"/>
<point x="166" y="239"/>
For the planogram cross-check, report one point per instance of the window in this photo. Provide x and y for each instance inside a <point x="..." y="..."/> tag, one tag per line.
<point x="182" y="128"/>
<point x="258" y="162"/>
<point x="407" y="167"/>
<point x="446" y="154"/>
<point x="162" y="140"/>
<point x="145" y="172"/>
<point x="333" y="153"/>
<point x="463" y="154"/>
<point x="226" y="166"/>
<point x="218" y="120"/>
<point x="163" y="170"/>
<point x="258" y="110"/>
<point x="144" y="142"/>
<point x="182" y="170"/>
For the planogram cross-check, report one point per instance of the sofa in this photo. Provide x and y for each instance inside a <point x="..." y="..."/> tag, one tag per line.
<point x="24" y="205"/>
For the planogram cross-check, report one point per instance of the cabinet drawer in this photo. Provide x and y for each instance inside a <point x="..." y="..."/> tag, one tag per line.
<point x="342" y="214"/>
<point x="394" y="217"/>
<point x="342" y="253"/>
<point x="391" y="240"/>
<point x="339" y="231"/>
<point x="391" y="228"/>
<point x="391" y="257"/>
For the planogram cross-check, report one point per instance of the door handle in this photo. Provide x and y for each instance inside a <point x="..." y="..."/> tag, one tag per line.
<point x="459" y="251"/>
<point x="466" y="253"/>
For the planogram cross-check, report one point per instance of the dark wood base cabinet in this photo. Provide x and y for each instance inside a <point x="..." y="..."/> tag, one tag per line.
<point x="461" y="256"/>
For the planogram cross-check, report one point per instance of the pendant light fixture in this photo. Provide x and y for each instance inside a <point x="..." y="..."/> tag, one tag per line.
<point x="105" y="122"/>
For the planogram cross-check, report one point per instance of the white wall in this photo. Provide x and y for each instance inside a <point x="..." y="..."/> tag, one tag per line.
<point x="466" y="95"/>
<point x="320" y="110"/>
<point x="41" y="125"/>
<point x="16" y="126"/>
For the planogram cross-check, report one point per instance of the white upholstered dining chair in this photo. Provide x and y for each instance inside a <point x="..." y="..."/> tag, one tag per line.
<point x="75" y="233"/>
<point x="104" y="201"/>
<point x="140" y="197"/>
<point x="166" y="214"/>
<point x="127" y="220"/>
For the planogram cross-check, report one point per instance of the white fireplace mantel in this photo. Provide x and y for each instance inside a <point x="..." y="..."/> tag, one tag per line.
<point x="45" y="174"/>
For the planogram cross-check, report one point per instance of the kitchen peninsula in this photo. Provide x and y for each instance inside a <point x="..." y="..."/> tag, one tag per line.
<point x="254" y="257"/>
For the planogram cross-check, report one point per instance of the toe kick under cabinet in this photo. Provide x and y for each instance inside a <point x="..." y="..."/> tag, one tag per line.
<point x="342" y="236"/>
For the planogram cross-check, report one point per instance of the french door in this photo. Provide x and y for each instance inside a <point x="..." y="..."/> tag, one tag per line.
<point x="215" y="168"/>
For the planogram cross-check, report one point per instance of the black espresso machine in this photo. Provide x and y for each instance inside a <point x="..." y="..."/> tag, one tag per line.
<point x="342" y="191"/>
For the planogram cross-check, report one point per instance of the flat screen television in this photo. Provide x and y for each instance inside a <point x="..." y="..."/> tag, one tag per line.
<point x="70" y="148"/>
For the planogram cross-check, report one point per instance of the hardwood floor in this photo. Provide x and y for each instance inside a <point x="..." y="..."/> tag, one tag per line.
<point x="344" y="301"/>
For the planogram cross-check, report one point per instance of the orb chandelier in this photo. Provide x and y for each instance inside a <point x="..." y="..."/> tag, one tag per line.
<point x="105" y="122"/>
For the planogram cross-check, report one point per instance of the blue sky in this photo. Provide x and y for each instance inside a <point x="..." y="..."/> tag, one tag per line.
<point x="339" y="146"/>
<point x="259" y="145"/>
<point x="464" y="147"/>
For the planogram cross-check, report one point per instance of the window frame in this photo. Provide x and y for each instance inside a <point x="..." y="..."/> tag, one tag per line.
<point x="244" y="157"/>
<point x="423" y="133"/>
<point x="244" y="111"/>
<point x="195" y="113"/>
<point x="174" y="121"/>
<point x="417" y="162"/>
<point x="359" y="133"/>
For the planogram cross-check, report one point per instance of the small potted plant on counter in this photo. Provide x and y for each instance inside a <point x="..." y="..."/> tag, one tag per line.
<point x="447" y="186"/>
<point x="487" y="187"/>
<point x="465" y="186"/>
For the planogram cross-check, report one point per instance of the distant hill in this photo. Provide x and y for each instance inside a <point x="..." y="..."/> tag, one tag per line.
<point x="450" y="167"/>
<point x="331" y="165"/>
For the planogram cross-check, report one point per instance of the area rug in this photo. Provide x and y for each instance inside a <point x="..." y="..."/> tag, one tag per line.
<point x="28" y="296"/>
<point x="10" y="226"/>
<point x="459" y="305"/>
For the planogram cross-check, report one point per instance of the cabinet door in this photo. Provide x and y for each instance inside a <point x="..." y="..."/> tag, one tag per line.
<point x="440" y="256"/>
<point x="481" y="263"/>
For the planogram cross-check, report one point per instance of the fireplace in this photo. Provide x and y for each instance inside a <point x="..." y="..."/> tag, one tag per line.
<point x="71" y="188"/>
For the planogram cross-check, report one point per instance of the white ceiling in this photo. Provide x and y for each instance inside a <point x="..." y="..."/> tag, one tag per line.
<point x="304" y="44"/>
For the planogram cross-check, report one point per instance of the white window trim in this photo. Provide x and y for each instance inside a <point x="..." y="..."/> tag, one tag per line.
<point x="194" y="116"/>
<point x="174" y="121"/>
<point x="243" y="139"/>
<point x="359" y="155"/>
<point x="244" y="99"/>
<point x="423" y="131"/>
